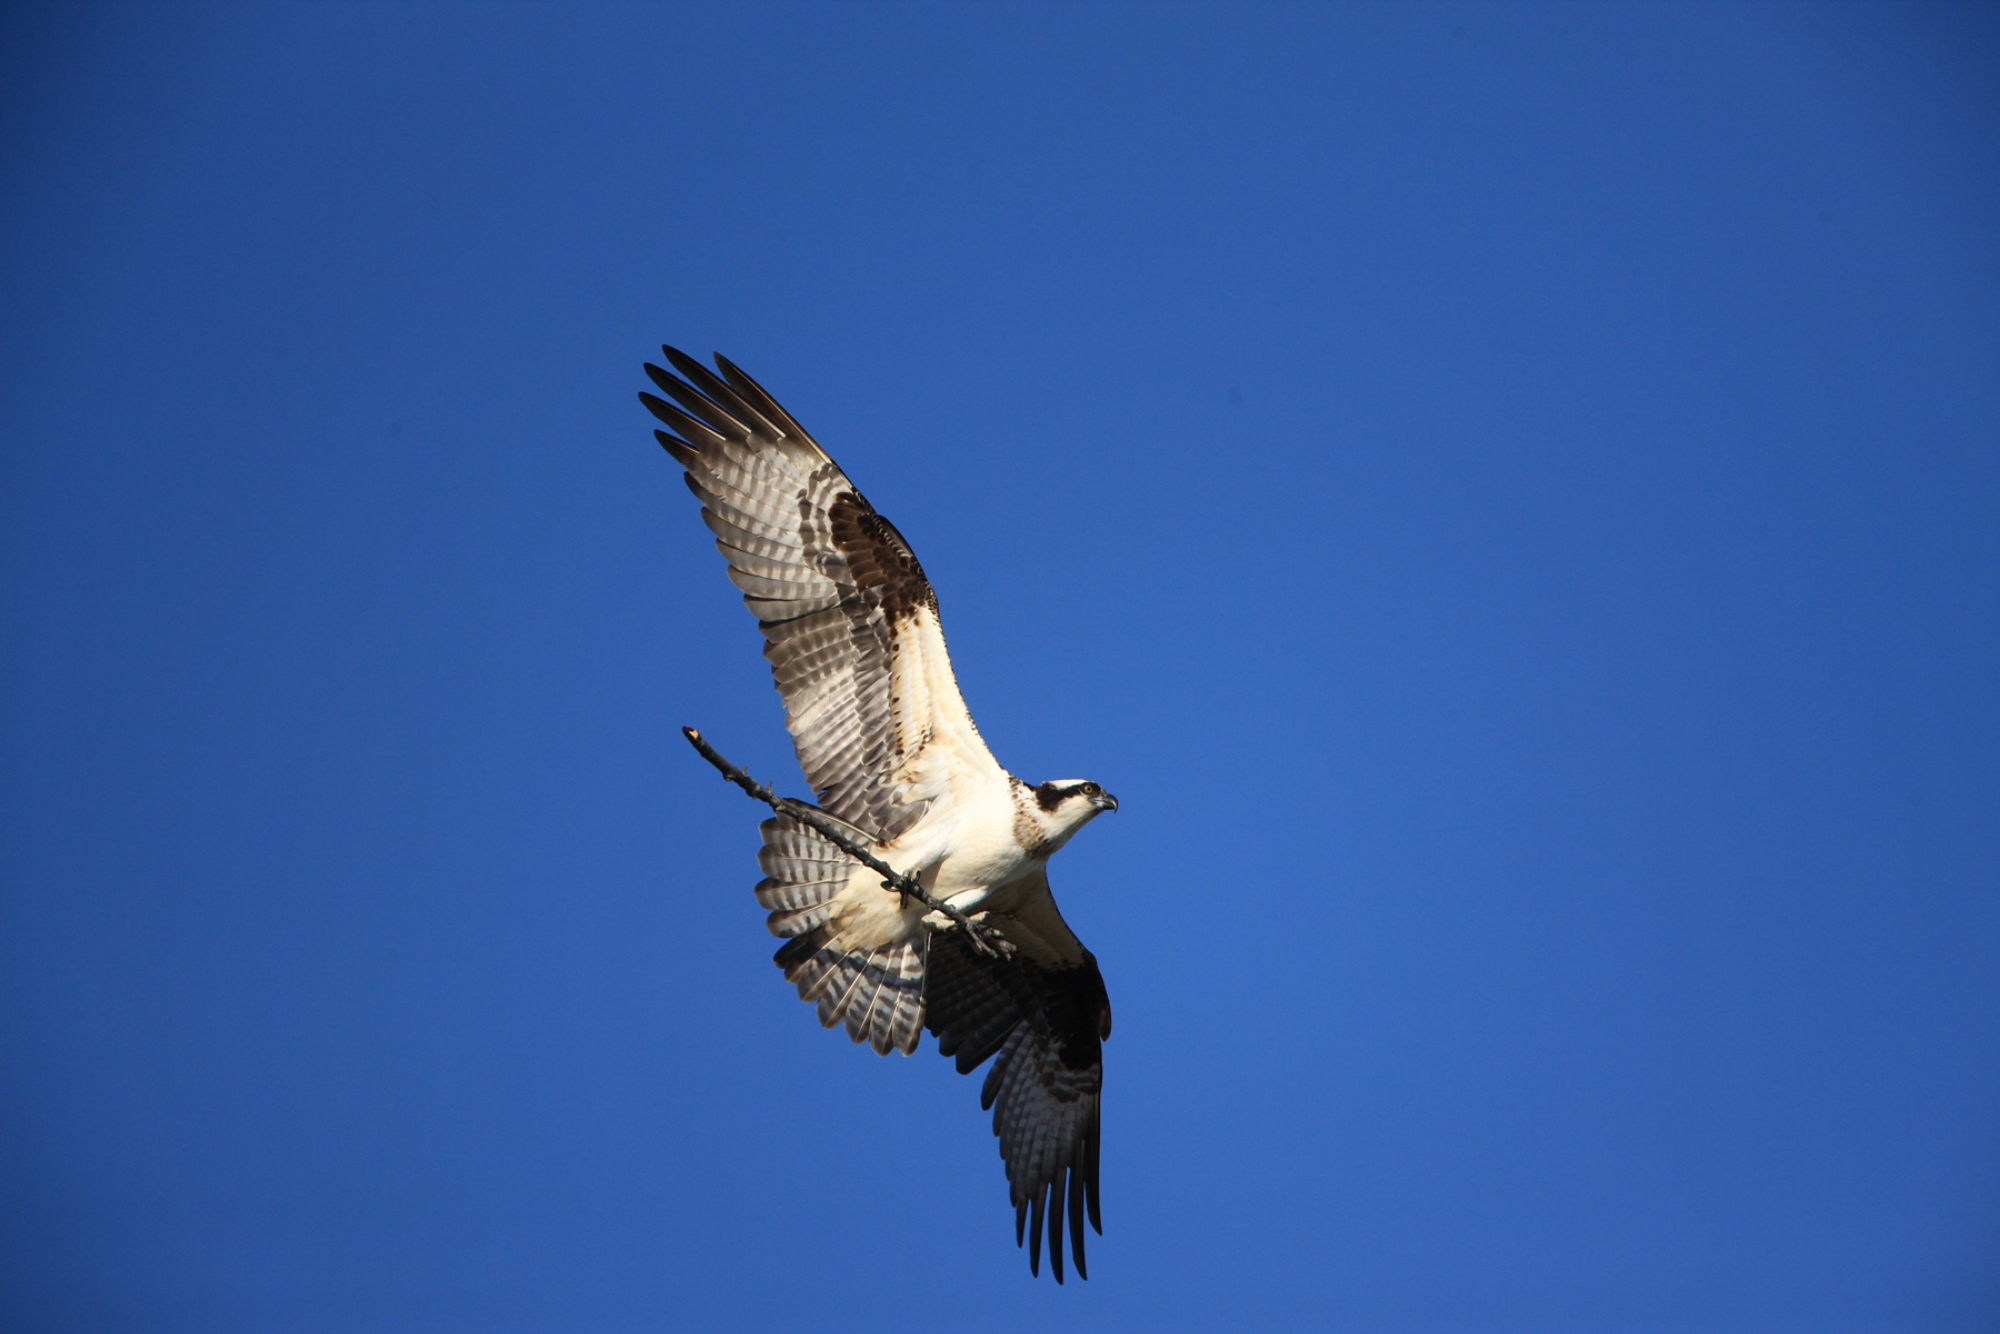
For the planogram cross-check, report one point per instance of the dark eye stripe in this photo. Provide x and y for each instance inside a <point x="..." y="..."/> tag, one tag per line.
<point x="1048" y="796"/>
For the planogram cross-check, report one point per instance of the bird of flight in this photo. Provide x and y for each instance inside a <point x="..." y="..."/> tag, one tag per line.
<point x="851" y="630"/>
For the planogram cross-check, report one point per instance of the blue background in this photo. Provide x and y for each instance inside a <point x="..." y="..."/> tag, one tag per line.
<point x="1505" y="496"/>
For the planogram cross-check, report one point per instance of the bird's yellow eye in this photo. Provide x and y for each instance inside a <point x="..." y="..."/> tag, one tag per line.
<point x="1090" y="789"/>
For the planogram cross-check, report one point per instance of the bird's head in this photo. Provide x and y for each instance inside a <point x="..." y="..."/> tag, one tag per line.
<point x="1065" y="805"/>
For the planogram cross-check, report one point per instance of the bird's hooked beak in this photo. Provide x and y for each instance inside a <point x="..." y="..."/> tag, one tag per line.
<point x="1104" y="801"/>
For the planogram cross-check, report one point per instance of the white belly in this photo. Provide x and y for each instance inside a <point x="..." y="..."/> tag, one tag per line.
<point x="962" y="857"/>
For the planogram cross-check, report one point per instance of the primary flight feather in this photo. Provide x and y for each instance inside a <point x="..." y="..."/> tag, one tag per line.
<point x="852" y="633"/>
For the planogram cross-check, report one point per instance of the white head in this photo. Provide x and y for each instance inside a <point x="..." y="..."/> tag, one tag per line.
<point x="1065" y="805"/>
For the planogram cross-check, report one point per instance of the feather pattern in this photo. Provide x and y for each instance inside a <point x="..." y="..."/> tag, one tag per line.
<point x="876" y="994"/>
<point x="802" y="874"/>
<point x="849" y="618"/>
<point x="1048" y="1026"/>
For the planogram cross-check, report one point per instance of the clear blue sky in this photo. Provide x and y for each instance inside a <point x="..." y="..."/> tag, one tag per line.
<point x="1508" y="497"/>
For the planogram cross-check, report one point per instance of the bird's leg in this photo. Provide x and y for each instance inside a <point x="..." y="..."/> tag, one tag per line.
<point x="995" y="943"/>
<point x="986" y="939"/>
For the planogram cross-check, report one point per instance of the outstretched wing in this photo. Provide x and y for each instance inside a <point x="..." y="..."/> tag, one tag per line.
<point x="1044" y="1012"/>
<point x="850" y="622"/>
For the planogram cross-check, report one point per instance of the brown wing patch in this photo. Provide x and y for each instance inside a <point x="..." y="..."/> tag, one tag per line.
<point x="832" y="582"/>
<point x="878" y="557"/>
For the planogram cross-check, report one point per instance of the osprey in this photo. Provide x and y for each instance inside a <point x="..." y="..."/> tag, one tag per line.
<point x="851" y="629"/>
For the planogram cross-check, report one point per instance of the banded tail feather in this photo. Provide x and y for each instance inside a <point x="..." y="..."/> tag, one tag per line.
<point x="802" y="873"/>
<point x="877" y="992"/>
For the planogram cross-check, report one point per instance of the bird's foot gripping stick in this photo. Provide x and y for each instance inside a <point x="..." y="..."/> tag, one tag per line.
<point x="984" y="937"/>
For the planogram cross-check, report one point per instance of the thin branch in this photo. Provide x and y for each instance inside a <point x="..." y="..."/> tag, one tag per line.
<point x="984" y="938"/>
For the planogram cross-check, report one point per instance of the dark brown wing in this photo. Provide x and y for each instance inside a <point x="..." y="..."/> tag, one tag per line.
<point x="1047" y="1026"/>
<point x="849" y="620"/>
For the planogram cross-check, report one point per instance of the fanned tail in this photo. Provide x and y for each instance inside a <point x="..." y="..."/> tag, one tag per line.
<point x="877" y="990"/>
